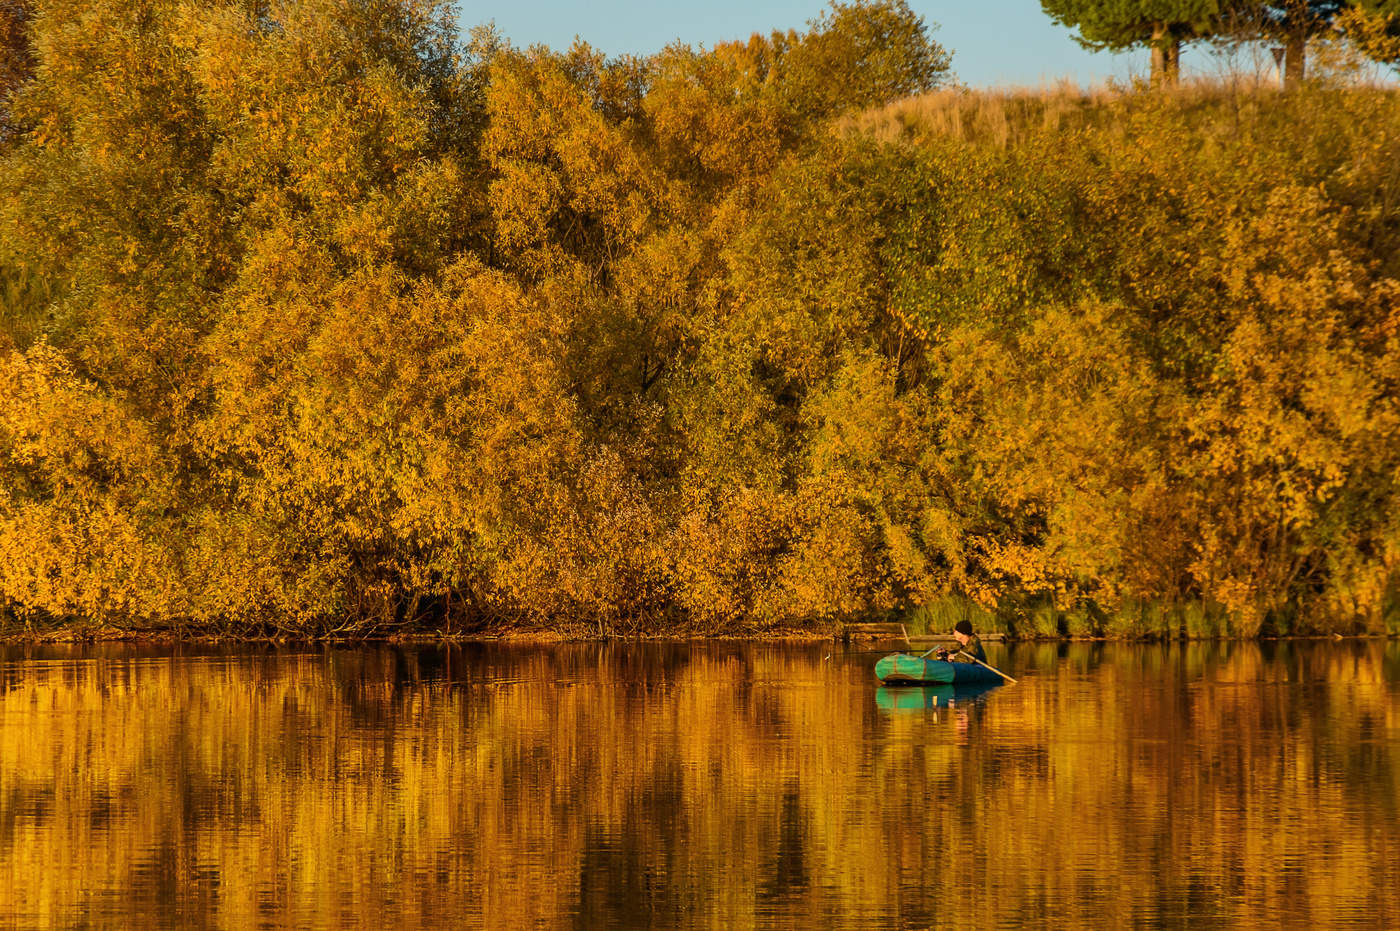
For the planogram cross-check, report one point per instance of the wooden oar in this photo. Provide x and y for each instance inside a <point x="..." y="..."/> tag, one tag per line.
<point x="974" y="659"/>
<point x="980" y="663"/>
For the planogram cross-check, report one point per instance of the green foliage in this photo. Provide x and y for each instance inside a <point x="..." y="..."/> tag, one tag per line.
<point x="1306" y="17"/>
<point x="1119" y="26"/>
<point x="1160" y="25"/>
<point x="862" y="54"/>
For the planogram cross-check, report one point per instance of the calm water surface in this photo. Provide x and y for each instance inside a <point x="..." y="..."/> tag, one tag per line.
<point x="698" y="786"/>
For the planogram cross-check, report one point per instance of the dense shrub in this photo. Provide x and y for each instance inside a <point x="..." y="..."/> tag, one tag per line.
<point x="319" y="322"/>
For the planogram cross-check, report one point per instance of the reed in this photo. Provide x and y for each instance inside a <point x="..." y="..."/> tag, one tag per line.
<point x="941" y="614"/>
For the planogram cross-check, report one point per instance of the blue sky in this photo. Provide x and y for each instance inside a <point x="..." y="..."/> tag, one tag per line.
<point x="994" y="42"/>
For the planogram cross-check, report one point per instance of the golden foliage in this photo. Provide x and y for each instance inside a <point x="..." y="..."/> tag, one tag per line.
<point x="322" y="322"/>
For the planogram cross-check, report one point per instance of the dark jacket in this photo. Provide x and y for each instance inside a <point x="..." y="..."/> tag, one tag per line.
<point x="973" y="648"/>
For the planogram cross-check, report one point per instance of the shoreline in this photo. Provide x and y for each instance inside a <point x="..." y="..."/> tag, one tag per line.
<point x="75" y="634"/>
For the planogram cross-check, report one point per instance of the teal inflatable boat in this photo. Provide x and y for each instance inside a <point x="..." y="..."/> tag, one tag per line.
<point x="907" y="669"/>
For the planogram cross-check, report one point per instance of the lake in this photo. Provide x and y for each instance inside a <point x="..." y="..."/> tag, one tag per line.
<point x="706" y="785"/>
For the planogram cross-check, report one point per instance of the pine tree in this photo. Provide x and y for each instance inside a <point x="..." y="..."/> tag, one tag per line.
<point x="1161" y="25"/>
<point x="1294" y="22"/>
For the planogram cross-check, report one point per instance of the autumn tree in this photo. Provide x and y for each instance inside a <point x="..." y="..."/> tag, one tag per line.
<point x="1373" y="27"/>
<point x="862" y="54"/>
<point x="200" y="179"/>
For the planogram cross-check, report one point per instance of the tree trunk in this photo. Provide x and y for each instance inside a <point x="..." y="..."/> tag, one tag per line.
<point x="1293" y="52"/>
<point x="1166" y="57"/>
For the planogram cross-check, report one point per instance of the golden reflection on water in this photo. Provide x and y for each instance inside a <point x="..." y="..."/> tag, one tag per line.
<point x="697" y="786"/>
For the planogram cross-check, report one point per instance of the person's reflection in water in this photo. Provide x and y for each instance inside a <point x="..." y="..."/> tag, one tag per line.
<point x="967" y="717"/>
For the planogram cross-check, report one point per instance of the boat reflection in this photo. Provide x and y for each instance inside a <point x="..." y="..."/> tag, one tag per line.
<point x="925" y="697"/>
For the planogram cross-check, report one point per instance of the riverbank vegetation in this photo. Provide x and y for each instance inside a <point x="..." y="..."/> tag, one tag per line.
<point x="323" y="320"/>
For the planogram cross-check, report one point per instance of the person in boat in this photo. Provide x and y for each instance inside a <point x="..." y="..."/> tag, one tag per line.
<point x="969" y="646"/>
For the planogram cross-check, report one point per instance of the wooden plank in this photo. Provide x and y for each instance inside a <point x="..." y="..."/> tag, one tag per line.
<point x="897" y="631"/>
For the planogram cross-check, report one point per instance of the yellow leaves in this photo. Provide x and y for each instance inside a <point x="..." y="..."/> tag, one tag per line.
<point x="1025" y="565"/>
<point x="524" y="198"/>
<point x="717" y="110"/>
<point x="50" y="417"/>
<point x="571" y="176"/>
<point x="1299" y="395"/>
<point x="725" y="367"/>
<point x="76" y="547"/>
<point x="1376" y="35"/>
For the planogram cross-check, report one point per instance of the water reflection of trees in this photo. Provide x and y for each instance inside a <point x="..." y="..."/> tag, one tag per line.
<point x="694" y="785"/>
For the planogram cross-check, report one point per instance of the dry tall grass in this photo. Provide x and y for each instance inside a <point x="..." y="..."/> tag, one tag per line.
<point x="1010" y="115"/>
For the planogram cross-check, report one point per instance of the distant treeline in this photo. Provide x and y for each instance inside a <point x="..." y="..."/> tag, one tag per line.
<point x="321" y="319"/>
